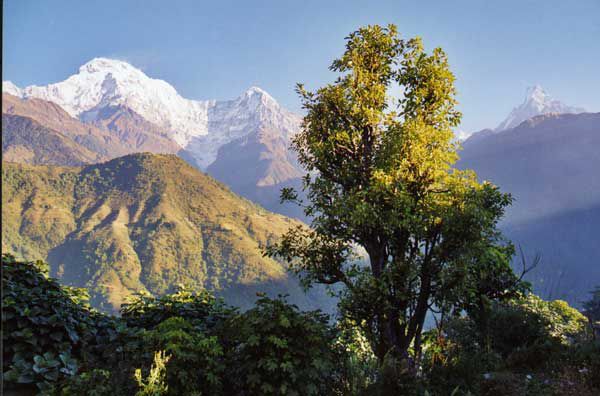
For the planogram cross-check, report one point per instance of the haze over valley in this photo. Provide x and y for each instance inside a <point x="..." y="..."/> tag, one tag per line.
<point x="542" y="153"/>
<point x="308" y="198"/>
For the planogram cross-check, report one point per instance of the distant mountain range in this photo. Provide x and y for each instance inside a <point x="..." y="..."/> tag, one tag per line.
<point x="551" y="166"/>
<point x="244" y="141"/>
<point x="537" y="102"/>
<point x="144" y="222"/>
<point x="544" y="152"/>
<point x="116" y="131"/>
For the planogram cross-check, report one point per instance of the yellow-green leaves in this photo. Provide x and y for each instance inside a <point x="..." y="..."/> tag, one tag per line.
<point x="154" y="384"/>
<point x="381" y="177"/>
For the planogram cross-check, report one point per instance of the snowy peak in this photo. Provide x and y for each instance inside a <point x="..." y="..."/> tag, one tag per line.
<point x="255" y="98"/>
<point x="10" y="88"/>
<point x="536" y="102"/>
<point x="536" y="96"/>
<point x="200" y="127"/>
<point x="256" y="91"/>
<point x="236" y="119"/>
<point x="104" y="65"/>
<point x="105" y="82"/>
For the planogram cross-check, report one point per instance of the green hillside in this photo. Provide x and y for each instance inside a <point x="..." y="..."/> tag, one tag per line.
<point x="142" y="222"/>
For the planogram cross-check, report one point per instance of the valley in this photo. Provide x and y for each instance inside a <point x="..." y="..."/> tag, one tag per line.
<point x="540" y="153"/>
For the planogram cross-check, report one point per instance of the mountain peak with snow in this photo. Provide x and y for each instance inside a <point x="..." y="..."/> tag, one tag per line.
<point x="536" y="102"/>
<point x="10" y="88"/>
<point x="200" y="127"/>
<point x="102" y="64"/>
<point x="536" y="94"/>
<point x="253" y="90"/>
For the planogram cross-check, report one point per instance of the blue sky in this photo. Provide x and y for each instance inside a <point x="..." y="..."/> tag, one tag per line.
<point x="217" y="49"/>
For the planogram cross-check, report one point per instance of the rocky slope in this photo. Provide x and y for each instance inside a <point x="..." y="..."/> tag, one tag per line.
<point x="25" y="140"/>
<point x="116" y="131"/>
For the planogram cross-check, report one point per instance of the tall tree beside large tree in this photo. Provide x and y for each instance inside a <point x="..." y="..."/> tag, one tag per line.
<point x="378" y="148"/>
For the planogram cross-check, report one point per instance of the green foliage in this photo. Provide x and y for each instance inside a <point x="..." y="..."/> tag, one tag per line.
<point x="279" y="350"/>
<point x="95" y="382"/>
<point x="154" y="384"/>
<point x="380" y="178"/>
<point x="53" y="340"/>
<point x="200" y="308"/>
<point x="592" y="309"/>
<point x="504" y="384"/>
<point x="45" y="326"/>
<point x="196" y="365"/>
<point x="520" y="330"/>
<point x="558" y="320"/>
<point x="359" y="365"/>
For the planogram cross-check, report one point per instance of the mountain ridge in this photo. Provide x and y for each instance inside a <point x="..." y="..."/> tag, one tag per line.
<point x="536" y="102"/>
<point x="26" y="140"/>
<point x="549" y="164"/>
<point x="108" y="138"/>
<point x="204" y="126"/>
<point x="143" y="222"/>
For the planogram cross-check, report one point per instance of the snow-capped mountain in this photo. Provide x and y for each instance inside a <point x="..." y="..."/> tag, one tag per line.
<point x="199" y="127"/>
<point x="231" y="120"/>
<point x="106" y="82"/>
<point x="537" y="102"/>
<point x="549" y="164"/>
<point x="9" y="87"/>
<point x="243" y="142"/>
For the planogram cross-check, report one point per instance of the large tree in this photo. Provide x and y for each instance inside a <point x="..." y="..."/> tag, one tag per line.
<point x="378" y="148"/>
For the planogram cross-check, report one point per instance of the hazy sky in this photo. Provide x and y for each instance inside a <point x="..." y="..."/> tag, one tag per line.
<point x="217" y="49"/>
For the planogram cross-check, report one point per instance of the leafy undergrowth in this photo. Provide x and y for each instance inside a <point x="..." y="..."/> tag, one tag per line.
<point x="191" y="343"/>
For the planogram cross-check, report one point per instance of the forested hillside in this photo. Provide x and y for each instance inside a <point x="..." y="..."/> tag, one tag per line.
<point x="142" y="223"/>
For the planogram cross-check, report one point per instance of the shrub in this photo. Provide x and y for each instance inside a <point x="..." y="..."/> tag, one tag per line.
<point x="46" y="327"/>
<point x="196" y="365"/>
<point x="200" y="308"/>
<point x="503" y="384"/>
<point x="279" y="350"/>
<point x="95" y="382"/>
<point x="359" y="366"/>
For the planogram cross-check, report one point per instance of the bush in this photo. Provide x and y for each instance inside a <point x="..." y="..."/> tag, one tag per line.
<point x="54" y="340"/>
<point x="359" y="366"/>
<point x="154" y="384"/>
<point x="48" y="329"/>
<point x="200" y="308"/>
<point x="521" y="331"/>
<point x="95" y="382"/>
<point x="55" y="344"/>
<point x="503" y="384"/>
<point x="196" y="365"/>
<point x="279" y="350"/>
<point x="529" y="327"/>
